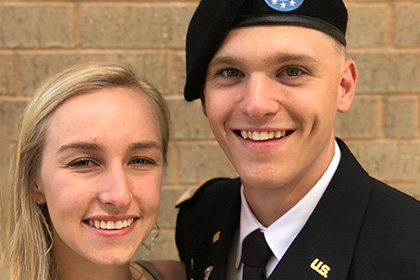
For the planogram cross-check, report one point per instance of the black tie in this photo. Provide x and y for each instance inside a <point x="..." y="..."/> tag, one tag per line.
<point x="255" y="254"/>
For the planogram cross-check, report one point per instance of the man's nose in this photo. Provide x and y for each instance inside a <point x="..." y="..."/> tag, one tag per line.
<point x="259" y="97"/>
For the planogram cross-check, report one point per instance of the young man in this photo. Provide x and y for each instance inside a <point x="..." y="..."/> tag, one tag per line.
<point x="271" y="75"/>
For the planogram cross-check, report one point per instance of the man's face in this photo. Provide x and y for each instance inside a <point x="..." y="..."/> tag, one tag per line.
<point x="271" y="95"/>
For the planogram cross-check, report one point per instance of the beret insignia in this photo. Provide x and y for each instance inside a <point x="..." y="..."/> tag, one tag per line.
<point x="284" y="6"/>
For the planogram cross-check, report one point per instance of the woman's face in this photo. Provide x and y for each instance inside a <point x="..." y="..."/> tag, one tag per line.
<point x="101" y="175"/>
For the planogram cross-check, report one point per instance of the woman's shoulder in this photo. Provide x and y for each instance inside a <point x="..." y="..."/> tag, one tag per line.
<point x="162" y="269"/>
<point x="146" y="270"/>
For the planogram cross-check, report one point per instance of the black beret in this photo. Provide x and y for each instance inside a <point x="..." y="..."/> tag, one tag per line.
<point x="213" y="19"/>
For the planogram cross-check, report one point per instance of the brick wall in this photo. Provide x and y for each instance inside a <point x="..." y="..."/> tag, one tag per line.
<point x="38" y="38"/>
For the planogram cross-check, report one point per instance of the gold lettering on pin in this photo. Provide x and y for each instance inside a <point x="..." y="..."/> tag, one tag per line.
<point x="216" y="237"/>
<point x="207" y="272"/>
<point x="320" y="267"/>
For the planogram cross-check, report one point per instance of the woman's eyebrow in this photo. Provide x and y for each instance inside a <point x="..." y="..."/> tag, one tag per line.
<point x="79" y="146"/>
<point x="145" y="145"/>
<point x="96" y="147"/>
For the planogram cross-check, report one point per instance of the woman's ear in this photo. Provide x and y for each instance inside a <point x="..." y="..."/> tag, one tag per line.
<point x="38" y="193"/>
<point x="347" y="86"/>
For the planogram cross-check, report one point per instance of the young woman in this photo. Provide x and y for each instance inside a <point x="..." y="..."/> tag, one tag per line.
<point x="86" y="178"/>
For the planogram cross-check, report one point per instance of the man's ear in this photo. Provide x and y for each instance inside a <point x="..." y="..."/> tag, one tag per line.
<point x="204" y="110"/>
<point x="347" y="86"/>
<point x="38" y="193"/>
<point x="203" y="105"/>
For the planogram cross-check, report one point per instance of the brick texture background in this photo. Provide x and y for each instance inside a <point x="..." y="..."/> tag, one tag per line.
<point x="38" y="38"/>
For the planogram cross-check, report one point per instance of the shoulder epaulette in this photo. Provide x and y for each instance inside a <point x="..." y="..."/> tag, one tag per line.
<point x="189" y="194"/>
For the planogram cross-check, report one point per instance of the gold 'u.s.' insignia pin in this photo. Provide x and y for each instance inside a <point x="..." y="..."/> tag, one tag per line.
<point x="216" y="237"/>
<point x="207" y="272"/>
<point x="320" y="267"/>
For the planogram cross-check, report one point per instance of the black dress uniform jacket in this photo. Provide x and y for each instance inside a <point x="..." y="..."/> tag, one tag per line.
<point x="360" y="229"/>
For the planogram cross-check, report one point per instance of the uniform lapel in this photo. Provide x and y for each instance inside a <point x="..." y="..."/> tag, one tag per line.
<point x="222" y="239"/>
<point x="324" y="247"/>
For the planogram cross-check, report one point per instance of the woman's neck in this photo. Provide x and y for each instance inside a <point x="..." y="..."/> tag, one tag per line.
<point x="74" y="267"/>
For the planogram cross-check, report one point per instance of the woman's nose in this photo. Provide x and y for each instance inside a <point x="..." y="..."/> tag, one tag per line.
<point x="115" y="191"/>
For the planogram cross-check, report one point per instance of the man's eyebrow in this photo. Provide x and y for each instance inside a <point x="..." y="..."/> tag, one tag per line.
<point x="289" y="57"/>
<point x="276" y="59"/>
<point x="224" y="60"/>
<point x="79" y="146"/>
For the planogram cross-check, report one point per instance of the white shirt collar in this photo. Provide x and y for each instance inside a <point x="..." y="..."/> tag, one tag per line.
<point x="291" y="222"/>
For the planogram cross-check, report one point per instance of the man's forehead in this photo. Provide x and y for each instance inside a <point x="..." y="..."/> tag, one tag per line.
<point x="272" y="39"/>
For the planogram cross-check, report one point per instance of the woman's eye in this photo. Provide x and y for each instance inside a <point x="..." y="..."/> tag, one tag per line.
<point x="85" y="162"/>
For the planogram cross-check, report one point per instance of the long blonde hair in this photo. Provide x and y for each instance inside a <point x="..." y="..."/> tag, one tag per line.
<point x="26" y="240"/>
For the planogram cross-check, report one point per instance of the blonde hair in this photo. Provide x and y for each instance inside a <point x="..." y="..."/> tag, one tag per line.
<point x="24" y="229"/>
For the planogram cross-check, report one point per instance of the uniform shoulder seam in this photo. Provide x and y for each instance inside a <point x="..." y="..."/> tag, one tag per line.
<point x="189" y="194"/>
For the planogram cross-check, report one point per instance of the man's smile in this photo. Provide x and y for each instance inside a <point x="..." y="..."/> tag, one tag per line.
<point x="263" y="135"/>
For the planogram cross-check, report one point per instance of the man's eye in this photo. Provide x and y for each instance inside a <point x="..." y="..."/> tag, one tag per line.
<point x="141" y="161"/>
<point x="293" y="72"/>
<point x="230" y="73"/>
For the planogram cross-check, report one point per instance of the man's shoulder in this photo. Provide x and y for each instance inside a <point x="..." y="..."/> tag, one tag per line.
<point x="213" y="190"/>
<point x="381" y="195"/>
<point x="388" y="239"/>
<point x="395" y="201"/>
<point x="209" y="208"/>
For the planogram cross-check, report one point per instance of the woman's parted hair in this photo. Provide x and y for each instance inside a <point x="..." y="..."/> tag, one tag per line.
<point x="28" y="241"/>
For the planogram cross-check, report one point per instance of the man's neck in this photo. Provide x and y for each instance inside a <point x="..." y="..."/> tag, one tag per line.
<point x="269" y="204"/>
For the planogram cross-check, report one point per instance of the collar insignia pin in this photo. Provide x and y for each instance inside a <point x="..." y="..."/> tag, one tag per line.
<point x="216" y="237"/>
<point x="320" y="267"/>
<point x="207" y="272"/>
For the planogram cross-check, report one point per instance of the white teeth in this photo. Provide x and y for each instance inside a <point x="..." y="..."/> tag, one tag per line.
<point x="110" y="225"/>
<point x="244" y="134"/>
<point x="255" y="136"/>
<point x="261" y="136"/>
<point x="264" y="135"/>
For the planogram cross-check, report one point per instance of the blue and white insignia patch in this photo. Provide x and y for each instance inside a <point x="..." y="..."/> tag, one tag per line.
<point x="284" y="5"/>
